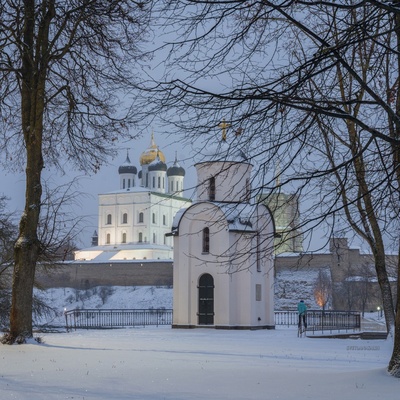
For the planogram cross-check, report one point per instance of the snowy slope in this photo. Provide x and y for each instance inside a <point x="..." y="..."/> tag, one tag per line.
<point x="126" y="297"/>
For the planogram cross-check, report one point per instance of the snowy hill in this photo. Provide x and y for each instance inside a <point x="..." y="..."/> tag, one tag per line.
<point x="103" y="297"/>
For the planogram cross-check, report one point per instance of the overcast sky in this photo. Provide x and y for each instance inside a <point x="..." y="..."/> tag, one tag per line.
<point x="106" y="180"/>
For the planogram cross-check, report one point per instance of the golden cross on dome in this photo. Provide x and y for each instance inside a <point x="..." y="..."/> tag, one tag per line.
<point x="224" y="126"/>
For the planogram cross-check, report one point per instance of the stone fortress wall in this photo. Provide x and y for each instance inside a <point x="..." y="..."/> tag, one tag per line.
<point x="295" y="276"/>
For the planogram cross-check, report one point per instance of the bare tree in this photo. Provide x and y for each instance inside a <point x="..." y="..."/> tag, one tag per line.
<point x="57" y="230"/>
<point x="365" y="207"/>
<point x="64" y="68"/>
<point x="272" y="70"/>
<point x="322" y="289"/>
<point x="365" y="287"/>
<point x="358" y="288"/>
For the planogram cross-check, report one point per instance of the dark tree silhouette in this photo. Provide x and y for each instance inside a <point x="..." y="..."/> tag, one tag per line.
<point x="64" y="66"/>
<point x="313" y="85"/>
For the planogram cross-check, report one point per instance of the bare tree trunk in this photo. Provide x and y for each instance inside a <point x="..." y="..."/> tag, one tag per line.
<point x="26" y="253"/>
<point x="27" y="247"/>
<point x="394" y="363"/>
<point x="386" y="290"/>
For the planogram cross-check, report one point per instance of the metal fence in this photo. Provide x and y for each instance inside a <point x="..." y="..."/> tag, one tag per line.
<point x="103" y="318"/>
<point x="318" y="320"/>
<point x="288" y="318"/>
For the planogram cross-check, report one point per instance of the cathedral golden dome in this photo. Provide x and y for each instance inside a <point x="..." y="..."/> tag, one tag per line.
<point x="151" y="153"/>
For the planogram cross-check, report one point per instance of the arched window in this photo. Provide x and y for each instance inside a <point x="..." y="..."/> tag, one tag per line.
<point x="159" y="182"/>
<point x="124" y="237"/>
<point x="109" y="219"/>
<point x="123" y="183"/>
<point x="140" y="237"/>
<point x="154" y="181"/>
<point x="172" y="186"/>
<point x="164" y="220"/>
<point x="129" y="183"/>
<point x="124" y="218"/>
<point x="141" y="217"/>
<point x="154" y="237"/>
<point x="211" y="189"/>
<point x="154" y="218"/>
<point x="108" y="238"/>
<point x="206" y="240"/>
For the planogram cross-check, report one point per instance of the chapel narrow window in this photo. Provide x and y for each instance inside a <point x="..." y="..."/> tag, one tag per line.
<point x="206" y="240"/>
<point x="258" y="258"/>
<point x="212" y="189"/>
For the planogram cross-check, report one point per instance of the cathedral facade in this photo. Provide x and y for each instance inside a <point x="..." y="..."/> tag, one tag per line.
<point x="134" y="219"/>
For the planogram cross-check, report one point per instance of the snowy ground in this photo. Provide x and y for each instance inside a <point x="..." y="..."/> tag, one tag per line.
<point x="160" y="363"/>
<point x="169" y="364"/>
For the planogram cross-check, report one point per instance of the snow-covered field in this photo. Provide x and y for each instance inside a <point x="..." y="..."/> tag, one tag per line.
<point x="160" y="363"/>
<point x="169" y="364"/>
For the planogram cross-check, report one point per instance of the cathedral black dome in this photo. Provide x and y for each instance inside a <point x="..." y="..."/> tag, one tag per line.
<point x="127" y="167"/>
<point x="175" y="170"/>
<point x="157" y="165"/>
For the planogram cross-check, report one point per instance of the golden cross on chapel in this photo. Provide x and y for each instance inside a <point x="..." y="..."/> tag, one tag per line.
<point x="224" y="126"/>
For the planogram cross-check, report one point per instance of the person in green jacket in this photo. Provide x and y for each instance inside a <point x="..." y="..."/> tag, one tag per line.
<point x="302" y="310"/>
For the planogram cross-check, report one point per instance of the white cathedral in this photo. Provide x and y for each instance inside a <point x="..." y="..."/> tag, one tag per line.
<point x="134" y="220"/>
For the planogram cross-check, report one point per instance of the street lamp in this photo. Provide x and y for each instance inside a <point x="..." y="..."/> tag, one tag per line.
<point x="379" y="311"/>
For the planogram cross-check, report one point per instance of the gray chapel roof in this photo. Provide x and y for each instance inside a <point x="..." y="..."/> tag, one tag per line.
<point x="223" y="152"/>
<point x="240" y="216"/>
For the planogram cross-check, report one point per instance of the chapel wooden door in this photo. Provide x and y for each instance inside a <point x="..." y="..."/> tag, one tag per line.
<point x="206" y="300"/>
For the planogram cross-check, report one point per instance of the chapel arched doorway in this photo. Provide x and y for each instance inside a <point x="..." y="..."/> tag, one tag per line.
<point x="206" y="300"/>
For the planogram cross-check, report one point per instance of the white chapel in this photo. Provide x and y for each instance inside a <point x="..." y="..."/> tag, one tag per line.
<point x="134" y="219"/>
<point x="223" y="250"/>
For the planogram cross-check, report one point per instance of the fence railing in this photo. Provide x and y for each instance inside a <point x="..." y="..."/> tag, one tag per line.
<point x="318" y="320"/>
<point x="288" y="318"/>
<point x="103" y="318"/>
